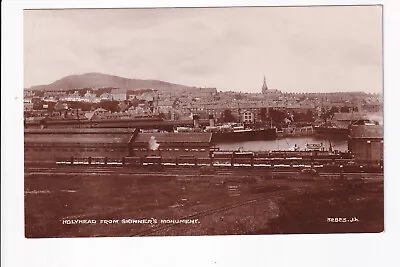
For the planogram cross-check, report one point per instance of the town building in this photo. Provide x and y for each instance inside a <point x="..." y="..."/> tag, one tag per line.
<point x="139" y="111"/>
<point x="148" y="96"/>
<point x="55" y="93"/>
<point x="28" y="93"/>
<point x="264" y="88"/>
<point x="118" y="94"/>
<point x="366" y="142"/>
<point x="106" y="96"/>
<point x="247" y="117"/>
<point x="100" y="111"/>
<point x="91" y="97"/>
<point x="164" y="106"/>
<point x="75" y="96"/>
<point x="28" y="104"/>
<point x="344" y="120"/>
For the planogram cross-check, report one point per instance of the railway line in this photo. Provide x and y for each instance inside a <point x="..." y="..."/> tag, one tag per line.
<point x="187" y="171"/>
<point x="163" y="228"/>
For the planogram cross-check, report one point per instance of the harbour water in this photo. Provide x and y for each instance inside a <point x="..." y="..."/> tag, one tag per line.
<point x="284" y="144"/>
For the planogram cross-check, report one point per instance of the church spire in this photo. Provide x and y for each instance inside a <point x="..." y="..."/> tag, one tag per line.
<point x="264" y="87"/>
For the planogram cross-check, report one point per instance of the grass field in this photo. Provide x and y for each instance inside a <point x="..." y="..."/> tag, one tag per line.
<point x="213" y="205"/>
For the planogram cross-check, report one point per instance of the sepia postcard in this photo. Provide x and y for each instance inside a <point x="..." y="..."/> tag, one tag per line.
<point x="203" y="121"/>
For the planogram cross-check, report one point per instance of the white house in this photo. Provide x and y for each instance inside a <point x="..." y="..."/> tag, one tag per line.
<point x="247" y="117"/>
<point x="118" y="94"/>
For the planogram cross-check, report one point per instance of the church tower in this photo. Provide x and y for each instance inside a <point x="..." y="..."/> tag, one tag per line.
<point x="264" y="89"/>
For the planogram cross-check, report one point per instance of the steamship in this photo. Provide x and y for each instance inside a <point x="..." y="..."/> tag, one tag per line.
<point x="228" y="133"/>
<point x="237" y="133"/>
<point x="331" y="130"/>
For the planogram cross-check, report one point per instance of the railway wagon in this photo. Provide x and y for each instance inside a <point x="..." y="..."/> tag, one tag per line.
<point x="221" y="158"/>
<point x="291" y="164"/>
<point x="243" y="159"/>
<point x="152" y="160"/>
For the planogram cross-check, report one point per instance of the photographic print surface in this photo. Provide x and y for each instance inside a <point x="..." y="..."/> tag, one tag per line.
<point x="203" y="121"/>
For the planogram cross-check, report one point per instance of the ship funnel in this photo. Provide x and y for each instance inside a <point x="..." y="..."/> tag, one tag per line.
<point x="196" y="121"/>
<point x="212" y="120"/>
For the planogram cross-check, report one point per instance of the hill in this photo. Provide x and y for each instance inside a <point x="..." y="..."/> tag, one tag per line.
<point x="100" y="80"/>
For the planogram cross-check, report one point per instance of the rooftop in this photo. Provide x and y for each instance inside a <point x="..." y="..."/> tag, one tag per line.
<point x="100" y="110"/>
<point x="119" y="91"/>
<point x="79" y="138"/>
<point x="366" y="131"/>
<point x="175" y="137"/>
<point x="80" y="131"/>
<point x="349" y="116"/>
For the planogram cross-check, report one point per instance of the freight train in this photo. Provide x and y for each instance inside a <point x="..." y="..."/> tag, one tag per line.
<point x="316" y="161"/>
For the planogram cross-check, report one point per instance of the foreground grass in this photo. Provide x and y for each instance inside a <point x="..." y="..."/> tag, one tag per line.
<point x="287" y="206"/>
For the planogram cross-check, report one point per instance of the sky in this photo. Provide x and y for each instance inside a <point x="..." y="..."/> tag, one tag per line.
<point x="297" y="49"/>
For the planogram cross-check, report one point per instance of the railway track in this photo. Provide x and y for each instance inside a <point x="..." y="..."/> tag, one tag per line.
<point x="162" y="229"/>
<point x="181" y="171"/>
<point x="109" y="170"/>
<point x="204" y="213"/>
